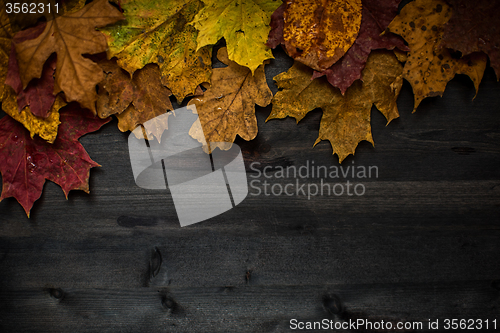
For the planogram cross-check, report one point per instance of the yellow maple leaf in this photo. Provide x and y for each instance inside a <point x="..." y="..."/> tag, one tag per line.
<point x="227" y="108"/>
<point x="346" y="119"/>
<point x="429" y="67"/>
<point x="244" y="24"/>
<point x="46" y="128"/>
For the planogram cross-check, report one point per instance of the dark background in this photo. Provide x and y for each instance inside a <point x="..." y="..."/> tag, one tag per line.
<point x="422" y="243"/>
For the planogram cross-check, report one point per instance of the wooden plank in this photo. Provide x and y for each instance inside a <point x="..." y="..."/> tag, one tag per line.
<point x="286" y="251"/>
<point x="242" y="309"/>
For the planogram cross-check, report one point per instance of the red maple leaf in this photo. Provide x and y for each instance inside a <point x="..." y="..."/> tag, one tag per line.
<point x="27" y="163"/>
<point x="277" y="24"/>
<point x="376" y="17"/>
<point x="39" y="92"/>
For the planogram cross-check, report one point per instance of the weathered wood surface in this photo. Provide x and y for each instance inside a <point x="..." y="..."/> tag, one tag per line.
<point x="422" y="243"/>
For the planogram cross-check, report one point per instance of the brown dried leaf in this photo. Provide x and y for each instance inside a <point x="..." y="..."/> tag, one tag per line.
<point x="116" y="91"/>
<point x="70" y="36"/>
<point x="150" y="99"/>
<point x="227" y="108"/>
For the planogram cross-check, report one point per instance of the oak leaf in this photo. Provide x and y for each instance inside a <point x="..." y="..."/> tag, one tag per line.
<point x="227" y="108"/>
<point x="473" y="27"/>
<point x="346" y="119"/>
<point x="133" y="100"/>
<point x="429" y="68"/>
<point x="46" y="128"/>
<point x="244" y="24"/>
<point x="27" y="163"/>
<point x="376" y="17"/>
<point x="319" y="33"/>
<point x="70" y="36"/>
<point x="157" y="32"/>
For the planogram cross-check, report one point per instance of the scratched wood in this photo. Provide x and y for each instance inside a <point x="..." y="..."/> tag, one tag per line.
<point x="421" y="243"/>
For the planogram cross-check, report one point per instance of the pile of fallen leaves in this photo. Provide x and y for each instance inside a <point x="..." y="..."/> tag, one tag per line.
<point x="63" y="75"/>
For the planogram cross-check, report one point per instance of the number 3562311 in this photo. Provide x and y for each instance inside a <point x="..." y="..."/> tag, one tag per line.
<point x="31" y="8"/>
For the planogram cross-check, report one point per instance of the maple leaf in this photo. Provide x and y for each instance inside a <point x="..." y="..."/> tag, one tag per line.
<point x="157" y="32"/>
<point x="277" y="24"/>
<point x="116" y="91"/>
<point x="5" y="45"/>
<point x="46" y="128"/>
<point x="151" y="101"/>
<point x="319" y="33"/>
<point x="227" y="108"/>
<point x="244" y="24"/>
<point x="38" y="94"/>
<point x="46" y="122"/>
<point x="429" y="68"/>
<point x="27" y="163"/>
<point x="473" y="27"/>
<point x="376" y="16"/>
<point x="133" y="100"/>
<point x="70" y="36"/>
<point x="346" y="119"/>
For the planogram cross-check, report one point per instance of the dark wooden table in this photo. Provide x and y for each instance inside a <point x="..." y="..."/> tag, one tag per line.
<point x="422" y="243"/>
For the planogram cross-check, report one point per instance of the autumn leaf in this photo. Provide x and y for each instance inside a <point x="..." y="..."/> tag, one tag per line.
<point x="116" y="91"/>
<point x="244" y="24"/>
<point x="473" y="27"/>
<point x="5" y="45"/>
<point x="277" y="24"/>
<point x="227" y="108"/>
<point x="133" y="100"/>
<point x="38" y="94"/>
<point x="376" y="17"/>
<point x="319" y="33"/>
<point x="157" y="32"/>
<point x="346" y="119"/>
<point x="46" y="128"/>
<point x="151" y="101"/>
<point x="429" y="68"/>
<point x="27" y="163"/>
<point x="46" y="122"/>
<point x="70" y="36"/>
